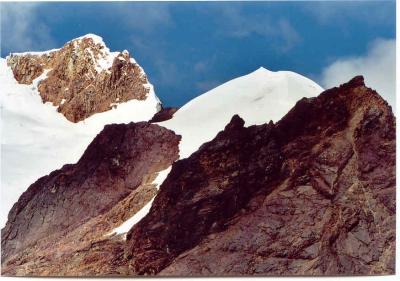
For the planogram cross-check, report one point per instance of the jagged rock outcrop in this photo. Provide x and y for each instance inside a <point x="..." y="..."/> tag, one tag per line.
<point x="164" y="114"/>
<point x="66" y="212"/>
<point x="313" y="194"/>
<point x="83" y="77"/>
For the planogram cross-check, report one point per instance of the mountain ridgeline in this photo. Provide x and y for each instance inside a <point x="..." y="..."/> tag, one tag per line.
<point x="268" y="181"/>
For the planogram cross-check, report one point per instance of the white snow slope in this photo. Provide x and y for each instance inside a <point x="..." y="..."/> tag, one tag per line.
<point x="36" y="139"/>
<point x="258" y="97"/>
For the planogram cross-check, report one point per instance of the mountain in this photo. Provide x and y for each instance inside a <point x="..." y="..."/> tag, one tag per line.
<point x="312" y="194"/>
<point x="83" y="77"/>
<point x="54" y="103"/>
<point x="258" y="97"/>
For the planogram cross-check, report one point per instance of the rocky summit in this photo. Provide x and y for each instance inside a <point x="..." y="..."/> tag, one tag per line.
<point x="83" y="77"/>
<point x="313" y="194"/>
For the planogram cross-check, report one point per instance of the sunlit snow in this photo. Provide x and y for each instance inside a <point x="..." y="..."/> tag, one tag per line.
<point x="258" y="97"/>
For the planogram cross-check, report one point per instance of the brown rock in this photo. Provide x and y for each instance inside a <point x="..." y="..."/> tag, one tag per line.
<point x="67" y="211"/>
<point x="312" y="195"/>
<point x="164" y="114"/>
<point x="78" y="82"/>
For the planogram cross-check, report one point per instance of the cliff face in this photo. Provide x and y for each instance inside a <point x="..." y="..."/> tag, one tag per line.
<point x="79" y="204"/>
<point x="83" y="77"/>
<point x="313" y="194"/>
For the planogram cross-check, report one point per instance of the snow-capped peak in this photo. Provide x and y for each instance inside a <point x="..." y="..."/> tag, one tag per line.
<point x="262" y="69"/>
<point x="39" y="138"/>
<point x="90" y="62"/>
<point x="258" y="97"/>
<point x="100" y="54"/>
<point x="96" y="38"/>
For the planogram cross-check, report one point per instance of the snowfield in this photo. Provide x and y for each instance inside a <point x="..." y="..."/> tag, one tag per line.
<point x="258" y="97"/>
<point x="36" y="139"/>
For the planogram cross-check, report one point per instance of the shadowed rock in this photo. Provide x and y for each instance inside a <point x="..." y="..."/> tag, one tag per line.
<point x="164" y="114"/>
<point x="84" y="201"/>
<point x="312" y="195"/>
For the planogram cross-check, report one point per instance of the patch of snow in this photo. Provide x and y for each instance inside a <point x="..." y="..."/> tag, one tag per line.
<point x="36" y="139"/>
<point x="40" y="78"/>
<point x="106" y="60"/>
<point x="96" y="39"/>
<point x="103" y="60"/>
<point x="39" y="53"/>
<point x="258" y="97"/>
<point x="63" y="101"/>
<point x="128" y="224"/>
<point x="162" y="175"/>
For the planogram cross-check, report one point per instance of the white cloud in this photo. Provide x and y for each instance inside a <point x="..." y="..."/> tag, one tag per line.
<point x="143" y="17"/>
<point x="166" y="73"/>
<point x="206" y="64"/>
<point x="289" y="35"/>
<point x="342" y="12"/>
<point x="22" y="29"/>
<point x="233" y="22"/>
<point x="378" y="67"/>
<point x="200" y="66"/>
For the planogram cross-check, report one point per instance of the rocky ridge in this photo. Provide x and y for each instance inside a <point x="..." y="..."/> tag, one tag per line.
<point x="313" y="194"/>
<point x="83" y="77"/>
<point x="79" y="204"/>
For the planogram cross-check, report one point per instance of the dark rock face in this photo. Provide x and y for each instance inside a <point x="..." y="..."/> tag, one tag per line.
<point x="78" y="81"/>
<point x="212" y="185"/>
<point x="313" y="194"/>
<point x="82" y="202"/>
<point x="164" y="114"/>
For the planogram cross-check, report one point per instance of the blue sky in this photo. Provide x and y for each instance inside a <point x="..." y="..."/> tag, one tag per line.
<point x="189" y="48"/>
